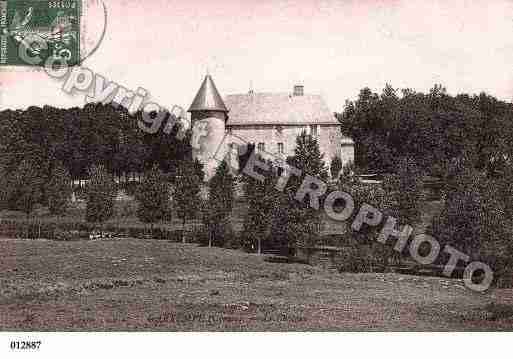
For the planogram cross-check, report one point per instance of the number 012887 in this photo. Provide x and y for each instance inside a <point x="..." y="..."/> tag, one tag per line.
<point x="25" y="345"/>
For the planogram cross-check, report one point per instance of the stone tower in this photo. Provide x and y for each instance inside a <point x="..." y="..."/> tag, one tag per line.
<point x="208" y="121"/>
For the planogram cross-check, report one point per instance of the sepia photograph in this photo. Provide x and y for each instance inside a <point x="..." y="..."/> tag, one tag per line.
<point x="256" y="168"/>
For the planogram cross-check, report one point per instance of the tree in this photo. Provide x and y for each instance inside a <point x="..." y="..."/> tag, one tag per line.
<point x="308" y="157"/>
<point x="187" y="191"/>
<point x="5" y="190"/>
<point x="430" y="128"/>
<point x="101" y="192"/>
<point x="335" y="167"/>
<point x="262" y="201"/>
<point x="301" y="222"/>
<point x="58" y="189"/>
<point x="220" y="203"/>
<point x="370" y="253"/>
<point x="473" y="214"/>
<point x="25" y="187"/>
<point x="153" y="196"/>
<point x="405" y="191"/>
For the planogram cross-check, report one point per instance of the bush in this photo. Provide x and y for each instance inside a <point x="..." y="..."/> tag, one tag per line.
<point x="125" y="209"/>
<point x="233" y="240"/>
<point x="199" y="234"/>
<point x="363" y="258"/>
<point x="60" y="235"/>
<point x="81" y="230"/>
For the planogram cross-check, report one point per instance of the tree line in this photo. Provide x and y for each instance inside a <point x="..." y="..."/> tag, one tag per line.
<point x="47" y="141"/>
<point x="79" y="138"/>
<point x="431" y="128"/>
<point x="466" y="140"/>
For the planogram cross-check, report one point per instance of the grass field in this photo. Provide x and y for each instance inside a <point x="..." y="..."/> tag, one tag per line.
<point x="157" y="285"/>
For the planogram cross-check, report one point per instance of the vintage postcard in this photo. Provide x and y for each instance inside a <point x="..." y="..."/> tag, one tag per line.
<point x="258" y="166"/>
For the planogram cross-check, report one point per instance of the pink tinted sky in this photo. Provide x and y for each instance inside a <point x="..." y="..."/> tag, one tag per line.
<point x="333" y="47"/>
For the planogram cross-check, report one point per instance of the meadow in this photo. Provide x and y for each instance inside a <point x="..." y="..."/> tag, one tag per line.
<point x="146" y="284"/>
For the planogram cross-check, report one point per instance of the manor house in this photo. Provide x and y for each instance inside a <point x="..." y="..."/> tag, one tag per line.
<point x="272" y="121"/>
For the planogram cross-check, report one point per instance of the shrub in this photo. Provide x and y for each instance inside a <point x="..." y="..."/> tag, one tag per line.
<point x="126" y="209"/>
<point x="198" y="235"/>
<point x="232" y="240"/>
<point x="357" y="258"/>
<point x="61" y="235"/>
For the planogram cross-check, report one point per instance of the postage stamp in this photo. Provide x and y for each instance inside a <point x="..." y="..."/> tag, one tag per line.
<point x="35" y="31"/>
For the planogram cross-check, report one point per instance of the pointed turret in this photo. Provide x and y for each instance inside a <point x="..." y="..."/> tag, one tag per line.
<point x="208" y="98"/>
<point x="208" y="119"/>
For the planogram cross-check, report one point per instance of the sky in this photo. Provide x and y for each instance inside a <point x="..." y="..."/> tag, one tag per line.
<point x="334" y="48"/>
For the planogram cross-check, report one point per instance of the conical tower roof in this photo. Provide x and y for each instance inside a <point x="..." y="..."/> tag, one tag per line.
<point x="208" y="98"/>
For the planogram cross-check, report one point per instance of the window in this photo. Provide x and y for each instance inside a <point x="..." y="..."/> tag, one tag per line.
<point x="314" y="130"/>
<point x="261" y="147"/>
<point x="280" y="147"/>
<point x="301" y="129"/>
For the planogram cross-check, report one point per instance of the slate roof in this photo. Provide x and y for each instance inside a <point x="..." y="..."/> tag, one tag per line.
<point x="208" y="97"/>
<point x="278" y="109"/>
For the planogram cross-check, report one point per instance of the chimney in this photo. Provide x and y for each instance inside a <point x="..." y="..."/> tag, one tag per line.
<point x="298" y="90"/>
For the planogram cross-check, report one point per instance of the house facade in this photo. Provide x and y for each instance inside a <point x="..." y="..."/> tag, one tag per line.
<point x="271" y="121"/>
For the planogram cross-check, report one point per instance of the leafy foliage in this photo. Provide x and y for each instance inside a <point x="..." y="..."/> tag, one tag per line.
<point x="430" y="128"/>
<point x="308" y="157"/>
<point x="25" y="187"/>
<point x="335" y="167"/>
<point x="473" y="217"/>
<point x="297" y="221"/>
<point x="219" y="205"/>
<point x="187" y="190"/>
<point x="263" y="202"/>
<point x="153" y="197"/>
<point x="82" y="137"/>
<point x="58" y="189"/>
<point x="405" y="191"/>
<point x="101" y="192"/>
